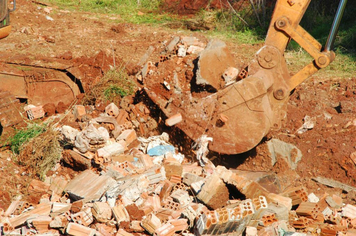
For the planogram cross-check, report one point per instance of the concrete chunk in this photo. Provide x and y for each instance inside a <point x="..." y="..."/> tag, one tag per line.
<point x="290" y="153"/>
<point x="88" y="185"/>
<point x="213" y="62"/>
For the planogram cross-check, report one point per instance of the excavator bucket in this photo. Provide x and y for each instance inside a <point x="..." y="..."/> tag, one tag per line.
<point x="238" y="115"/>
<point x="38" y="86"/>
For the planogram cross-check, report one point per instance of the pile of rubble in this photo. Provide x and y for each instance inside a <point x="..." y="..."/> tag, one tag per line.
<point x="131" y="185"/>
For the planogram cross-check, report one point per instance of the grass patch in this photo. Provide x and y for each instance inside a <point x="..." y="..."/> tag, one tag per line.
<point x="112" y="87"/>
<point x="37" y="148"/>
<point x="142" y="11"/>
<point x="22" y="136"/>
<point x="342" y="67"/>
<point x="41" y="153"/>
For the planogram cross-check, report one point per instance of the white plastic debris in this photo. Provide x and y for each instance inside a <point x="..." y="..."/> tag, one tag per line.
<point x="153" y="141"/>
<point x="201" y="147"/>
<point x="49" y="18"/>
<point x="309" y="123"/>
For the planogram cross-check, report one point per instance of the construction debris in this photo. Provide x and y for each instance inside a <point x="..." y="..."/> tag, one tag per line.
<point x="132" y="195"/>
<point x="134" y="185"/>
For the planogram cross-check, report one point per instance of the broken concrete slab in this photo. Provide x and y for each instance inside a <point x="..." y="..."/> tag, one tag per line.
<point x="89" y="186"/>
<point x="334" y="184"/>
<point x="212" y="63"/>
<point x="290" y="153"/>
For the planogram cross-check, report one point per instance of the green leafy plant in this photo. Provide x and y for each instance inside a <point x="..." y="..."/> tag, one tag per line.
<point x="114" y="91"/>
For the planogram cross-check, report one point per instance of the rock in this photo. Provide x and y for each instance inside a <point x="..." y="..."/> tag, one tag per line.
<point x="69" y="133"/>
<point x="192" y="41"/>
<point x="290" y="153"/>
<point x="230" y="75"/>
<point x="75" y="160"/>
<point x="79" y="111"/>
<point x="49" y="109"/>
<point x="214" y="193"/>
<point x="212" y="63"/>
<point x="187" y="7"/>
<point x="61" y="107"/>
<point x="89" y="139"/>
<point x="194" y="49"/>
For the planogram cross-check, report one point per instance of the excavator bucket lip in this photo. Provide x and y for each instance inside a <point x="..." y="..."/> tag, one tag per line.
<point x="5" y="31"/>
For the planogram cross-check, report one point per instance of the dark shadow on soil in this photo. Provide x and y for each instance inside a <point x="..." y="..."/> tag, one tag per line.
<point x="195" y="88"/>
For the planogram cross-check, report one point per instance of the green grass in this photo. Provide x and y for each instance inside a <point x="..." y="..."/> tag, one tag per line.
<point x="24" y="135"/>
<point x="133" y="11"/>
<point x="242" y="37"/>
<point x="342" y="67"/>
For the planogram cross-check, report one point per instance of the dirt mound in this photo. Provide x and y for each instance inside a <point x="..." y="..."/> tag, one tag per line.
<point x="186" y="7"/>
